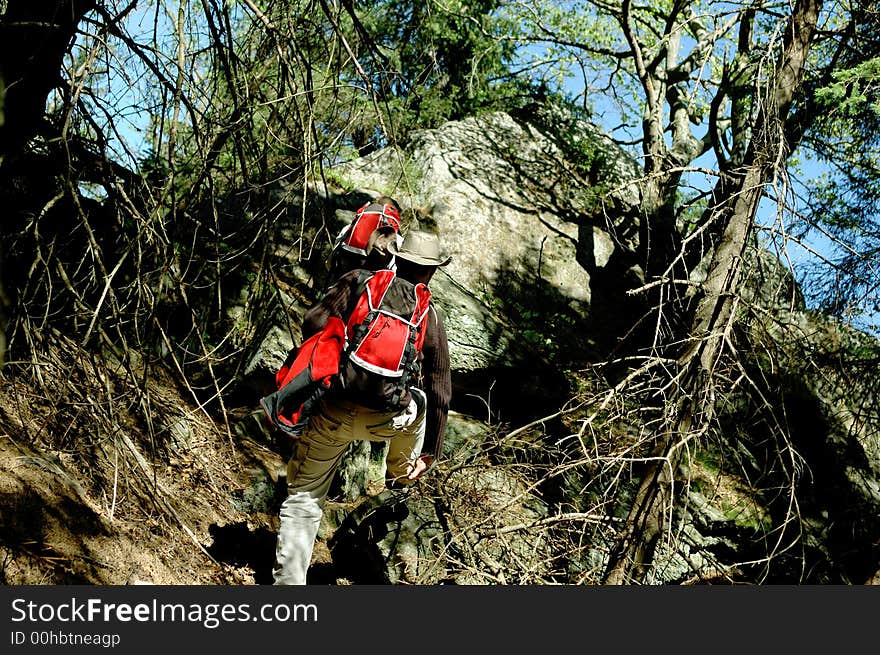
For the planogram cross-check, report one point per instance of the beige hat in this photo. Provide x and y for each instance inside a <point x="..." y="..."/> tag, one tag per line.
<point x="420" y="248"/>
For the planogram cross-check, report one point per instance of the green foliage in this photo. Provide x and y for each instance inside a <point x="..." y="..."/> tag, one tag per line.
<point x="853" y="89"/>
<point x="842" y="198"/>
<point x="332" y="176"/>
<point x="434" y="61"/>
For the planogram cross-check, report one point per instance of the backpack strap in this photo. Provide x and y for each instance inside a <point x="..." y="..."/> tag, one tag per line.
<point x="375" y="285"/>
<point x="354" y="336"/>
<point x="362" y="280"/>
<point x="415" y="341"/>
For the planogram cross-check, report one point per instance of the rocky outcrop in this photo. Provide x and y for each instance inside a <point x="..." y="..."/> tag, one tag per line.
<point x="517" y="220"/>
<point x="828" y="390"/>
<point x="512" y="212"/>
<point x="502" y="197"/>
<point x="798" y="462"/>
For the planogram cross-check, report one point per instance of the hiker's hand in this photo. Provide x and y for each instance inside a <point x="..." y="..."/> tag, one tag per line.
<point x="413" y="471"/>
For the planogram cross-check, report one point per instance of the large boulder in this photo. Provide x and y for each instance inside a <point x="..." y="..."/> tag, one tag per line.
<point x="518" y="221"/>
<point x="514" y="216"/>
<point x="491" y="185"/>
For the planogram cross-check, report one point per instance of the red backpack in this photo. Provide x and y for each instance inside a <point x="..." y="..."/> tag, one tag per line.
<point x="385" y="334"/>
<point x="306" y="375"/>
<point x="367" y="220"/>
<point x="382" y="341"/>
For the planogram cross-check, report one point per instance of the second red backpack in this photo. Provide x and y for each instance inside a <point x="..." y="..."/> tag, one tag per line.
<point x="367" y="220"/>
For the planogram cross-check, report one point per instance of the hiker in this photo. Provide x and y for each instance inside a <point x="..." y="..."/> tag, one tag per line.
<point x="370" y="406"/>
<point x="365" y="241"/>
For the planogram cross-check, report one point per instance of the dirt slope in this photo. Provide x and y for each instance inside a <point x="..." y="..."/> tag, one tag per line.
<point x="189" y="504"/>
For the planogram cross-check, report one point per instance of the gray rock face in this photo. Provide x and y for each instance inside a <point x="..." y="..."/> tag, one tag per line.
<point x="832" y="369"/>
<point x="403" y="538"/>
<point x="504" y="199"/>
<point x="494" y="187"/>
<point x="271" y="351"/>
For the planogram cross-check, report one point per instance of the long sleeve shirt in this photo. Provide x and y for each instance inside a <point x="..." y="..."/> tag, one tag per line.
<point x="340" y="301"/>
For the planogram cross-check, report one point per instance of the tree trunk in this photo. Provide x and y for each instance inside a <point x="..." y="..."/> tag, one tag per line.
<point x="690" y="409"/>
<point x="34" y="37"/>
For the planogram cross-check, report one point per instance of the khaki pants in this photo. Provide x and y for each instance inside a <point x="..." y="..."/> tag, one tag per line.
<point x="313" y="464"/>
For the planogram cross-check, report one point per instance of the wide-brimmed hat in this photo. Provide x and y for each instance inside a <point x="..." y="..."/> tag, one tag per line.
<point x="420" y="248"/>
